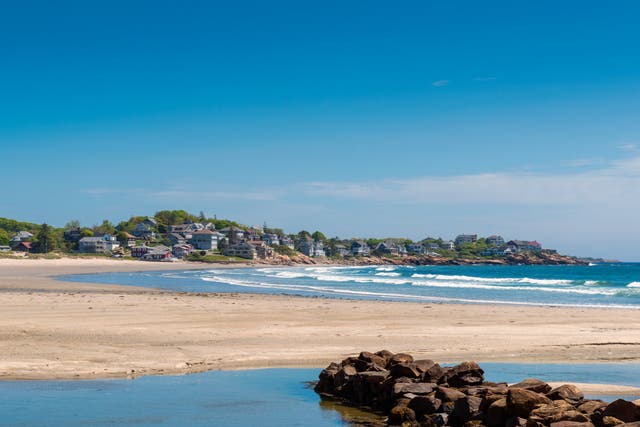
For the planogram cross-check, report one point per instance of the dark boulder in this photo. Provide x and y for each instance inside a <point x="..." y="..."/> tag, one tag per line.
<point x="447" y="394"/>
<point x="408" y="370"/>
<point x="623" y="410"/>
<point x="401" y="414"/>
<point x="464" y="374"/>
<point x="425" y="405"/>
<point x="399" y="358"/>
<point x="521" y="402"/>
<point x="415" y="388"/>
<point x="567" y="392"/>
<point x="497" y="413"/>
<point x="467" y="409"/>
<point x="533" y="384"/>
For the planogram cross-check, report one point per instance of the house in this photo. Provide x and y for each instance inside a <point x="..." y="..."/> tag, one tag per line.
<point x="5" y="248"/>
<point x="271" y="239"/>
<point x="130" y="239"/>
<point x="263" y="251"/>
<point x="311" y="248"/>
<point x="417" y="249"/>
<point x="157" y="253"/>
<point x="73" y="234"/>
<point x="252" y="233"/>
<point x="23" y="247"/>
<point x="463" y="239"/>
<point x="176" y="239"/>
<point x="287" y="241"/>
<point x="234" y="234"/>
<point x="22" y="236"/>
<point x="139" y="251"/>
<point x="518" y="246"/>
<point x="144" y="231"/>
<point x="180" y="229"/>
<point x="494" y="251"/>
<point x="387" y="248"/>
<point x="495" y="240"/>
<point x="242" y="250"/>
<point x="449" y="245"/>
<point x="340" y="250"/>
<point x="98" y="245"/>
<point x="181" y="251"/>
<point x="360" y="248"/>
<point x="150" y="222"/>
<point x="205" y="240"/>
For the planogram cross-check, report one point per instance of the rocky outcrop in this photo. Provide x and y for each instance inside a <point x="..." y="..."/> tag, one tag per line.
<point x="421" y="393"/>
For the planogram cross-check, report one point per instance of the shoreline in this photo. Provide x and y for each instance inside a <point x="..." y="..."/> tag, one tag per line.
<point x="52" y="329"/>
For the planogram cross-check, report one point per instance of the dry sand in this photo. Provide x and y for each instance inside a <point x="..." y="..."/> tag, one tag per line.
<point x="52" y="329"/>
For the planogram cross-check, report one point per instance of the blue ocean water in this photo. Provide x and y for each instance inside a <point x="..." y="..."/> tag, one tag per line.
<point x="268" y="397"/>
<point x="603" y="285"/>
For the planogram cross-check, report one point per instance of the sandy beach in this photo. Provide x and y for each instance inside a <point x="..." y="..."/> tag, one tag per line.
<point x="51" y="329"/>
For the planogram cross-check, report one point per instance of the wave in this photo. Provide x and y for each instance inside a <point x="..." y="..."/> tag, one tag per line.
<point x="550" y="282"/>
<point x="384" y="273"/>
<point x="633" y="285"/>
<point x="395" y="296"/>
<point x="386" y="268"/>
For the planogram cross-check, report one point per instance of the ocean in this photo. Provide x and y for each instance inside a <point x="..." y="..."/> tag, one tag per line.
<point x="601" y="285"/>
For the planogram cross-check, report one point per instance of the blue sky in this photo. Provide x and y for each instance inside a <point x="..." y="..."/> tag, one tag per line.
<point x="357" y="118"/>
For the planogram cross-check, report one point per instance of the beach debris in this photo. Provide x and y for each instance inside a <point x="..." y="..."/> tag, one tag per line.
<point x="421" y="393"/>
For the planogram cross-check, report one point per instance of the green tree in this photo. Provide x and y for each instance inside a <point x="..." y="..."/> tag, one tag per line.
<point x="318" y="236"/>
<point x="4" y="238"/>
<point x="105" y="228"/>
<point x="45" y="239"/>
<point x="74" y="223"/>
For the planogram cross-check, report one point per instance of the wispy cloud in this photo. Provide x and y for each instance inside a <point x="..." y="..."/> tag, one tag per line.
<point x="441" y="83"/>
<point x="616" y="185"/>
<point x="629" y="147"/>
<point x="484" y="79"/>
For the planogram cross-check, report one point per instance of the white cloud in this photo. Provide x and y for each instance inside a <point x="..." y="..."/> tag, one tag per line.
<point x="618" y="184"/>
<point x="440" y="83"/>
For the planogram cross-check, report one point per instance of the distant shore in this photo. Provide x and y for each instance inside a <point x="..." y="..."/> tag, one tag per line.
<point x="52" y="329"/>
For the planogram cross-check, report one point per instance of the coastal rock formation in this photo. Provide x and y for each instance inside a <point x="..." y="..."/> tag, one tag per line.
<point x="421" y="393"/>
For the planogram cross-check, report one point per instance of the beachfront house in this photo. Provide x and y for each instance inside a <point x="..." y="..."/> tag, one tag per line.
<point x="263" y="251"/>
<point x="242" y="250"/>
<point x="73" y="234"/>
<point x="287" y="241"/>
<point x="416" y="249"/>
<point x="205" y="240"/>
<point x="271" y="239"/>
<point x="98" y="245"/>
<point x="4" y="248"/>
<point x="360" y="248"/>
<point x="181" y="251"/>
<point x="144" y="231"/>
<point x="518" y="246"/>
<point x="311" y="248"/>
<point x="495" y="240"/>
<point x="157" y="253"/>
<point x="176" y="239"/>
<point x="463" y="239"/>
<point x="449" y="245"/>
<point x="21" y="236"/>
<point x="234" y="234"/>
<point x="140" y="251"/>
<point x="342" y="251"/>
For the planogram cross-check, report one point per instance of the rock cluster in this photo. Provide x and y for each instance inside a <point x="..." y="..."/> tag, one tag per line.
<point x="416" y="393"/>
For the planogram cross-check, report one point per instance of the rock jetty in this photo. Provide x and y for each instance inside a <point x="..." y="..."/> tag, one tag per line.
<point x="417" y="393"/>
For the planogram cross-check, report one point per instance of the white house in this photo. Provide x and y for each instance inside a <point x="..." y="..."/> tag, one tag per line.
<point x="98" y="245"/>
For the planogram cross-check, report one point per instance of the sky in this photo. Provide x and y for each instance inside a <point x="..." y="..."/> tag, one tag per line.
<point x="370" y="118"/>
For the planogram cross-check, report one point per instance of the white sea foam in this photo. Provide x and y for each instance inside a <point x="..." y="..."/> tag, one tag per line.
<point x="392" y="295"/>
<point x="633" y="285"/>
<point x="385" y="268"/>
<point x="550" y="282"/>
<point x="388" y="274"/>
